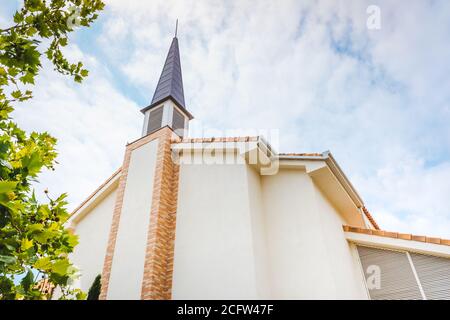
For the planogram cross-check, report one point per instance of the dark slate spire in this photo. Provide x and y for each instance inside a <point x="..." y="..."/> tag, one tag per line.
<point x="170" y="84"/>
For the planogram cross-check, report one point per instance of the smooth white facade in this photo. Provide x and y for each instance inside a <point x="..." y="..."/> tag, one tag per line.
<point x="243" y="235"/>
<point x="215" y="254"/>
<point x="309" y="256"/>
<point x="129" y="254"/>
<point x="240" y="234"/>
<point x="93" y="232"/>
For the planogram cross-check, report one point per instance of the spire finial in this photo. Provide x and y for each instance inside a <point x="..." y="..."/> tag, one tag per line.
<point x="176" y="29"/>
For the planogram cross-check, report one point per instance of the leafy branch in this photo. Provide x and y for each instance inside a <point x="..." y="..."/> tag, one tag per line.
<point x="33" y="239"/>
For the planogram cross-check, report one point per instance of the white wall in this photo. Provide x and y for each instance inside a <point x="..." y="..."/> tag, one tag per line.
<point x="239" y="235"/>
<point x="93" y="231"/>
<point x="242" y="235"/>
<point x="309" y="256"/>
<point x="258" y="231"/>
<point x="214" y="246"/>
<point x="349" y="283"/>
<point x="129" y="254"/>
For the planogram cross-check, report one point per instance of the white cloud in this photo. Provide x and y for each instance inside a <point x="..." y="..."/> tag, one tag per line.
<point x="411" y="197"/>
<point x="377" y="99"/>
<point x="92" y="123"/>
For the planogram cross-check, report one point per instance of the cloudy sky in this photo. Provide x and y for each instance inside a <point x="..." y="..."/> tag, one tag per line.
<point x="378" y="99"/>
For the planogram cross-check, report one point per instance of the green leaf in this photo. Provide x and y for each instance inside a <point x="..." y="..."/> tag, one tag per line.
<point x="44" y="236"/>
<point x="35" y="227"/>
<point x="32" y="31"/>
<point x="8" y="259"/>
<point x="35" y="163"/>
<point x="16" y="94"/>
<point x="27" y="78"/>
<point x="26" y="244"/>
<point x="80" y="295"/>
<point x="27" y="281"/>
<point x="84" y="73"/>
<point x="18" y="17"/>
<point x="7" y="186"/>
<point x="29" y="19"/>
<point x="72" y="240"/>
<point x="60" y="267"/>
<point x="9" y="247"/>
<point x="12" y="71"/>
<point x="78" y="78"/>
<point x="43" y="264"/>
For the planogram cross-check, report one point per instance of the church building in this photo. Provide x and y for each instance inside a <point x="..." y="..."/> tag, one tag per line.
<point x="231" y="218"/>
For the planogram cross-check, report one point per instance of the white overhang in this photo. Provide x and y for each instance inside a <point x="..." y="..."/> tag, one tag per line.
<point x="256" y="152"/>
<point x="98" y="195"/>
<point x="398" y="244"/>
<point x="331" y="180"/>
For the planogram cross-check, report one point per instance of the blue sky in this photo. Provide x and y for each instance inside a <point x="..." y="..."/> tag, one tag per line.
<point x="378" y="99"/>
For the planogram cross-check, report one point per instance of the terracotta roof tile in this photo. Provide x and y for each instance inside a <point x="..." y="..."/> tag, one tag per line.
<point x="217" y="139"/>
<point x="396" y="235"/>
<point x="371" y="219"/>
<point x="418" y="238"/>
<point x="433" y="240"/>
<point x="389" y="234"/>
<point x="405" y="236"/>
<point x="240" y="139"/>
<point x="291" y="154"/>
<point x="378" y="233"/>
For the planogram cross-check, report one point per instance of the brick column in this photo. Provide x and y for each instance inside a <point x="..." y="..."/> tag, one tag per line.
<point x="158" y="268"/>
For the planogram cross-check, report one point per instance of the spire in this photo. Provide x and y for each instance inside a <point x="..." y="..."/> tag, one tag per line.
<point x="171" y="81"/>
<point x="170" y="84"/>
<point x="176" y="29"/>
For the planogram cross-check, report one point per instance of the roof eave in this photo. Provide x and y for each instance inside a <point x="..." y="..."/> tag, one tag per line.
<point x="334" y="166"/>
<point x="400" y="241"/>
<point x="179" y="105"/>
<point x="105" y="187"/>
<point x="341" y="176"/>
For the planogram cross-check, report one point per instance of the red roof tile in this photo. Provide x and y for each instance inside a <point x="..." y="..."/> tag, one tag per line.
<point x="396" y="235"/>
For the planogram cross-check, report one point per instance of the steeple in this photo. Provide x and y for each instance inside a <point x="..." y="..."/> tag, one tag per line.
<point x="171" y="81"/>
<point x="169" y="93"/>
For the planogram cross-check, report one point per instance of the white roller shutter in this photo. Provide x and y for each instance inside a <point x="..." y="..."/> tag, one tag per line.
<point x="434" y="275"/>
<point x="397" y="280"/>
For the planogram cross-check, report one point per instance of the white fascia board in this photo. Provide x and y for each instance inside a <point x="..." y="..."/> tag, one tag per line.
<point x="92" y="201"/>
<point x="254" y="153"/>
<point x="340" y="175"/>
<point x="243" y="147"/>
<point x="312" y="158"/>
<point x="328" y="158"/>
<point x="218" y="146"/>
<point x="308" y="165"/>
<point x="398" y="244"/>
